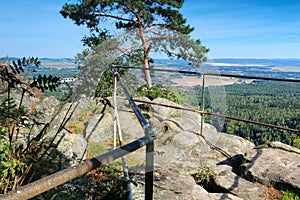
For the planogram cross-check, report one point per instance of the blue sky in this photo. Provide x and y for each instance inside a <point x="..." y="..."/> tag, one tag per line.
<point x="230" y="28"/>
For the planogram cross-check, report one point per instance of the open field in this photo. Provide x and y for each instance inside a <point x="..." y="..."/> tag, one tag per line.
<point x="189" y="81"/>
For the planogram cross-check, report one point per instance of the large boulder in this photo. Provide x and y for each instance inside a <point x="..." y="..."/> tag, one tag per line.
<point x="45" y="110"/>
<point x="234" y="184"/>
<point x="173" y="183"/>
<point x="71" y="147"/>
<point x="190" y="119"/>
<point x="224" y="148"/>
<point x="99" y="127"/>
<point x="274" y="164"/>
<point x="181" y="151"/>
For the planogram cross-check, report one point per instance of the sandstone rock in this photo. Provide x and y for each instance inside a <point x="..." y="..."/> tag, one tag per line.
<point x="179" y="186"/>
<point x="42" y="112"/>
<point x="285" y="147"/>
<point x="46" y="109"/>
<point x="165" y="112"/>
<point x="180" y="150"/>
<point x="173" y="145"/>
<point x="223" y="196"/>
<point x="210" y="134"/>
<point x="236" y="185"/>
<point x="130" y="125"/>
<point x="172" y="184"/>
<point x="225" y="148"/>
<point x="172" y="113"/>
<point x="99" y="127"/>
<point x="272" y="165"/>
<point x="73" y="148"/>
<point x="232" y="144"/>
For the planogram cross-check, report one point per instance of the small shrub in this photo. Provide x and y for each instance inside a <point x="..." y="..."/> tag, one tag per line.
<point x="11" y="165"/>
<point x="205" y="175"/>
<point x="158" y="90"/>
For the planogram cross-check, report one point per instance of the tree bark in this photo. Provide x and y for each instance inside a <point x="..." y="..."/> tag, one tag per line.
<point x="147" y="72"/>
<point x="146" y="53"/>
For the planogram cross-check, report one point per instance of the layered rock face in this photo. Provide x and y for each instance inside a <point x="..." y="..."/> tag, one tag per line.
<point x="188" y="164"/>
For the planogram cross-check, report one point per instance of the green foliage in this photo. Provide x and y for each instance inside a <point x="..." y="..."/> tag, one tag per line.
<point x="205" y="175"/>
<point x="11" y="164"/>
<point x="273" y="103"/>
<point x="153" y="26"/>
<point x="13" y="76"/>
<point x="17" y="156"/>
<point x="105" y="85"/>
<point x="45" y="82"/>
<point x="268" y="102"/>
<point x="156" y="91"/>
<point x="287" y="195"/>
<point x="134" y="14"/>
<point x="10" y="73"/>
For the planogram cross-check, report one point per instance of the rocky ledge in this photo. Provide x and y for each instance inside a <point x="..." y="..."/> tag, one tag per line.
<point x="188" y="165"/>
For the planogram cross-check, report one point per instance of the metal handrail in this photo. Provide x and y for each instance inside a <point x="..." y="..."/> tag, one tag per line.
<point x="149" y="131"/>
<point x="35" y="188"/>
<point x="212" y="74"/>
<point x="49" y="182"/>
<point x="297" y="131"/>
<point x="136" y="110"/>
<point x="217" y="115"/>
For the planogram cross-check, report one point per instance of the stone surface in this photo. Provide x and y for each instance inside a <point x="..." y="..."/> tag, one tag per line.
<point x="171" y="183"/>
<point x="236" y="185"/>
<point x="73" y="148"/>
<point x="99" y="127"/>
<point x="45" y="109"/>
<point x="223" y="196"/>
<point x="181" y="150"/>
<point x="225" y="148"/>
<point x="186" y="117"/>
<point x="277" y="164"/>
<point x="232" y="144"/>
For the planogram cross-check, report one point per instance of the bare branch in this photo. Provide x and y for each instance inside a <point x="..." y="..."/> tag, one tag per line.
<point x="115" y="17"/>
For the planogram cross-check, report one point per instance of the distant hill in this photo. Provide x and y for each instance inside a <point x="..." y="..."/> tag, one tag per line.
<point x="57" y="63"/>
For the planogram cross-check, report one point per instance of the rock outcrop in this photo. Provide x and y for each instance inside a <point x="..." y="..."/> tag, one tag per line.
<point x="179" y="145"/>
<point x="73" y="147"/>
<point x="233" y="165"/>
<point x="274" y="164"/>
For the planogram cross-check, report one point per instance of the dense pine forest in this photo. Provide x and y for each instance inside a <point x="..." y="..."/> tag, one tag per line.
<point x="263" y="101"/>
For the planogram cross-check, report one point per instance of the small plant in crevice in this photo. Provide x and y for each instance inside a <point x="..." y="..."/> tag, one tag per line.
<point x="205" y="175"/>
<point x="206" y="178"/>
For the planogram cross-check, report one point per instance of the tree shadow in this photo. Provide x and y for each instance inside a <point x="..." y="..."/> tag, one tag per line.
<point x="236" y="162"/>
<point x="106" y="103"/>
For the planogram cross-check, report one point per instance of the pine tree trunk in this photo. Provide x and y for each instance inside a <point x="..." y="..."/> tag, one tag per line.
<point x="147" y="72"/>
